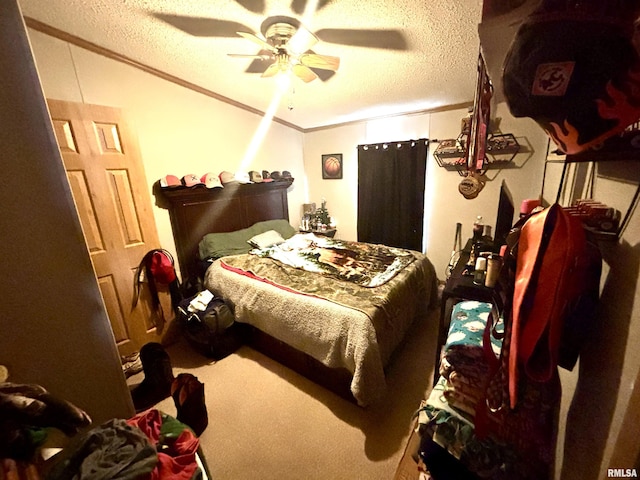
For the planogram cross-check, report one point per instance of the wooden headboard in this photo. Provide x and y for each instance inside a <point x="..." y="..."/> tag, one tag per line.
<point x="196" y="211"/>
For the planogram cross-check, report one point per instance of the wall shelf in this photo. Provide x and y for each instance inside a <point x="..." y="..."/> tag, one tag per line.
<point x="501" y="149"/>
<point x="623" y="147"/>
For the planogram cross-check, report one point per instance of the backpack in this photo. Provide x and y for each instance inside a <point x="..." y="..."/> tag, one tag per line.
<point x="548" y="295"/>
<point x="157" y="267"/>
<point x="213" y="331"/>
<point x="552" y="275"/>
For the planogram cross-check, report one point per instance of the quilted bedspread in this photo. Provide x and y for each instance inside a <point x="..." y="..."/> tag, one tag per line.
<point x="338" y="322"/>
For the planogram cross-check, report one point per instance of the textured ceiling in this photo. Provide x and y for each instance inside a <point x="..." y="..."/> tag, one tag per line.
<point x="437" y="68"/>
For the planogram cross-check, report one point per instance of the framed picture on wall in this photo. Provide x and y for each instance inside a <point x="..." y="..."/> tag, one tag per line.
<point x="332" y="166"/>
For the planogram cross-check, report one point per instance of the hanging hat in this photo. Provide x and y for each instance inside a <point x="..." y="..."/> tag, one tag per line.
<point x="573" y="68"/>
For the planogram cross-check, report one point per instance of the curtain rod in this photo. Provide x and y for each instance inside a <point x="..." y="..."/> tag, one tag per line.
<point x="399" y="144"/>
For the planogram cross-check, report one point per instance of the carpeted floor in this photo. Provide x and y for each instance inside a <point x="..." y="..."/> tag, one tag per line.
<point x="267" y="422"/>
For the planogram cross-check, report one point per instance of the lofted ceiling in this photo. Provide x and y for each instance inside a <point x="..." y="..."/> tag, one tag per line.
<point x="424" y="54"/>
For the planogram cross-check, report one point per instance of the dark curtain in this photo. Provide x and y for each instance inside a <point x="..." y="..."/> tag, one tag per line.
<point x="391" y="193"/>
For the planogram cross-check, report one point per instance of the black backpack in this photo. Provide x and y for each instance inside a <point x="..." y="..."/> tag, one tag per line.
<point x="212" y="332"/>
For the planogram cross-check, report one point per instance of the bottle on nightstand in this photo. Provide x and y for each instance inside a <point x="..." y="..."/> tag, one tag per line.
<point x="478" y="229"/>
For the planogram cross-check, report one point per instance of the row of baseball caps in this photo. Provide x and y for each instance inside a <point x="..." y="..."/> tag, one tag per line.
<point x="211" y="180"/>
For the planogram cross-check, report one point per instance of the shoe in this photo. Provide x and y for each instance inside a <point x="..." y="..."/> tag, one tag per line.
<point x="158" y="377"/>
<point x="188" y="395"/>
<point x="131" y="364"/>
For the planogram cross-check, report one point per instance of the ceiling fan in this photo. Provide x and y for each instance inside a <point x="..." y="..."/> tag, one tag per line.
<point x="285" y="42"/>
<point x="287" y="45"/>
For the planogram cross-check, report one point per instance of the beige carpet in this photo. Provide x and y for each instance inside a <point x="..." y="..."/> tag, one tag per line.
<point x="267" y="422"/>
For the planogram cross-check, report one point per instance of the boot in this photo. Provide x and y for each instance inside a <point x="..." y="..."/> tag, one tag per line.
<point x="158" y="377"/>
<point x="188" y="395"/>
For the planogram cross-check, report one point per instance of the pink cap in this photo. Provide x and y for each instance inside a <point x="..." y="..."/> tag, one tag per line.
<point x="170" y="181"/>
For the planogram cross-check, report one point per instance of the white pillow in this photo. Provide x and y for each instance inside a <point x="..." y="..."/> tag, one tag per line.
<point x="266" y="239"/>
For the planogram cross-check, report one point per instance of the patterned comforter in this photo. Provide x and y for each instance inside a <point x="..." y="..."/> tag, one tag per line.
<point x="338" y="322"/>
<point x="365" y="264"/>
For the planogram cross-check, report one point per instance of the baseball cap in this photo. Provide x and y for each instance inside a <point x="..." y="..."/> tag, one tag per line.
<point x="191" y="180"/>
<point x="243" y="177"/>
<point x="170" y="181"/>
<point x="211" y="180"/>
<point x="276" y="175"/>
<point x="227" y="177"/>
<point x="266" y="176"/>
<point x="255" y="177"/>
<point x="576" y="75"/>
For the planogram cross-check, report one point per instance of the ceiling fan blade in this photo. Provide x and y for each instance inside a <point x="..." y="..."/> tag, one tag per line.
<point x="298" y="6"/>
<point x="272" y="70"/>
<point x="254" y="38"/>
<point x="305" y="73"/>
<point x="301" y="41"/>
<point x="385" y="39"/>
<point x="243" y="55"/>
<point x="324" y="62"/>
<point x="255" y="6"/>
<point x="259" y="63"/>
<point x="256" y="66"/>
<point x="324" y="75"/>
<point x="201" y="26"/>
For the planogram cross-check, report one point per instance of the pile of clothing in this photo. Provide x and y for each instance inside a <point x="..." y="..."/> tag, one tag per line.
<point x="497" y="444"/>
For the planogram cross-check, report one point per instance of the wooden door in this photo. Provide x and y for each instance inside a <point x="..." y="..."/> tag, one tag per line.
<point x="106" y="174"/>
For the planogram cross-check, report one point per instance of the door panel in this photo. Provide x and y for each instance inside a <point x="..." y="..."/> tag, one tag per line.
<point x="106" y="174"/>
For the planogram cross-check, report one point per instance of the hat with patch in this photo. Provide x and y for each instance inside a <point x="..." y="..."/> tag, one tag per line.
<point x="169" y="181"/>
<point x="211" y="180"/>
<point x="255" y="177"/>
<point x="191" y="180"/>
<point x="573" y="68"/>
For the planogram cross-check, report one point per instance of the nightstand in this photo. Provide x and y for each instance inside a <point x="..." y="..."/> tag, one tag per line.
<point x="329" y="232"/>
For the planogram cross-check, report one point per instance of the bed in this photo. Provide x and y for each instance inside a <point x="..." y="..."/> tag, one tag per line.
<point x="338" y="334"/>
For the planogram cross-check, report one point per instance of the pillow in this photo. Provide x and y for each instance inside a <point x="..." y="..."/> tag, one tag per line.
<point x="266" y="239"/>
<point x="216" y="245"/>
<point x="283" y="227"/>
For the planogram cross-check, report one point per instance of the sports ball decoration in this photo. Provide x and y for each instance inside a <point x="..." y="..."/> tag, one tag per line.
<point x="332" y="166"/>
